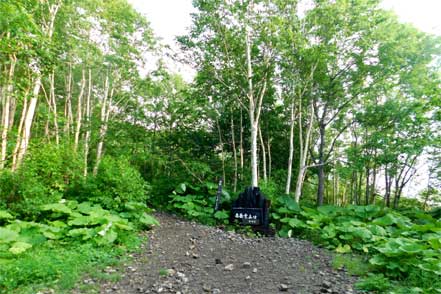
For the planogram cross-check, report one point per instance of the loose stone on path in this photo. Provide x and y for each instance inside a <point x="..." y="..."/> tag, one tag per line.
<point x="200" y="259"/>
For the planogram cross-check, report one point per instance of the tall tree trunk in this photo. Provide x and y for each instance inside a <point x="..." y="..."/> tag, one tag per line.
<point x="19" y="132"/>
<point x="221" y="142"/>
<point x="374" y="183"/>
<point x="251" y="112"/>
<point x="105" y="112"/>
<point x="79" y="110"/>
<point x="48" y="29"/>
<point x="6" y="110"/>
<point x="233" y="142"/>
<point x="241" y="150"/>
<point x="53" y="102"/>
<point x="304" y="148"/>
<point x="321" y="166"/>
<point x="367" y="193"/>
<point x="68" y="116"/>
<point x="388" y="183"/>
<point x="269" y="157"/>
<point x="360" y="187"/>
<point x="291" y="147"/>
<point x="88" y="127"/>
<point x="262" y="144"/>
<point x="26" y="135"/>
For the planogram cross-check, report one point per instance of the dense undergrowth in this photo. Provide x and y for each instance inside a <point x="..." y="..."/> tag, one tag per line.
<point x="393" y="251"/>
<point x="57" y="225"/>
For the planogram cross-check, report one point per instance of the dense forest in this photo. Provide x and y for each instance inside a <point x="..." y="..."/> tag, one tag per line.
<point x="335" y="105"/>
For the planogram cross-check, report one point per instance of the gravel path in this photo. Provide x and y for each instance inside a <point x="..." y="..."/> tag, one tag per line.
<point x="186" y="257"/>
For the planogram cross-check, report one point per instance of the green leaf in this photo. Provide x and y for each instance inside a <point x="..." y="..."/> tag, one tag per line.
<point x="343" y="249"/>
<point x="148" y="220"/>
<point x="57" y="207"/>
<point x="110" y="236"/>
<point x="296" y="223"/>
<point x="5" y="215"/>
<point x="221" y="214"/>
<point x="82" y="220"/>
<point x="7" y="236"/>
<point x="84" y="233"/>
<point x="181" y="188"/>
<point x="85" y="207"/>
<point x="19" y="247"/>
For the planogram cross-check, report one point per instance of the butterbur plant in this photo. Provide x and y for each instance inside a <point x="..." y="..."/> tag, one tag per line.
<point x="68" y="220"/>
<point x="400" y="247"/>
<point x="197" y="202"/>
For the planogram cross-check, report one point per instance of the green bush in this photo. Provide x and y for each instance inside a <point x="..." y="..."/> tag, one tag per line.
<point x="401" y="246"/>
<point x="55" y="167"/>
<point x="197" y="202"/>
<point x="43" y="178"/>
<point x="8" y="188"/>
<point x="115" y="184"/>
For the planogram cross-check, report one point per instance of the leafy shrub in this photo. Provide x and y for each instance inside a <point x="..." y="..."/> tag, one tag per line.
<point x="400" y="246"/>
<point x="43" y="178"/>
<point x="115" y="184"/>
<point x="8" y="188"/>
<point x="197" y="202"/>
<point x="68" y="220"/>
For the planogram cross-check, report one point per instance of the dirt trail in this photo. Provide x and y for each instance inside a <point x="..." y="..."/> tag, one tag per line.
<point x="186" y="257"/>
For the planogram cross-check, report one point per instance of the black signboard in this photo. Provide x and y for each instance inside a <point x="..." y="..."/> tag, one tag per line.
<point x="247" y="216"/>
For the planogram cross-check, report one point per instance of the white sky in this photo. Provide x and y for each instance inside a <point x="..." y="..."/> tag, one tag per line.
<point x="170" y="18"/>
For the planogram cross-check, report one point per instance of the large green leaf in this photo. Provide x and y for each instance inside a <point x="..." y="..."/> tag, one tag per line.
<point x="343" y="249"/>
<point x="148" y="220"/>
<point x="221" y="214"/>
<point x="57" y="207"/>
<point x="296" y="223"/>
<point x="19" y="247"/>
<point x="181" y="188"/>
<point x="7" y="236"/>
<point x="84" y="233"/>
<point x="5" y="215"/>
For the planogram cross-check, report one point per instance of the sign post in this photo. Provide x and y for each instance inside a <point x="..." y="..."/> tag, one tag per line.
<point x="218" y="196"/>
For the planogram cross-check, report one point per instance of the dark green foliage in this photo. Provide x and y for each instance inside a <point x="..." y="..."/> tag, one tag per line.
<point x="43" y="178"/>
<point x="401" y="246"/>
<point x="197" y="202"/>
<point x="115" y="184"/>
<point x="69" y="221"/>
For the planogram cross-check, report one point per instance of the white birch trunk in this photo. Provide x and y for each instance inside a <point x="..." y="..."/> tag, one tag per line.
<point x="303" y="155"/>
<point x="26" y="135"/>
<point x="88" y="131"/>
<point x="68" y="103"/>
<point x="222" y="150"/>
<point x="53" y="102"/>
<point x="251" y="110"/>
<point x="48" y="29"/>
<point x="233" y="141"/>
<point x="105" y="111"/>
<point x="262" y="147"/>
<point x="19" y="132"/>
<point x="79" y="111"/>
<point x="6" y="112"/>
<point x="291" y="150"/>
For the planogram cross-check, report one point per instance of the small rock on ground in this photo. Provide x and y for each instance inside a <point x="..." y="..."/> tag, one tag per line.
<point x="264" y="265"/>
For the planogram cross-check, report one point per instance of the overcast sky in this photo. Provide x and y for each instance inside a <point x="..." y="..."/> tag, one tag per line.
<point x="170" y="18"/>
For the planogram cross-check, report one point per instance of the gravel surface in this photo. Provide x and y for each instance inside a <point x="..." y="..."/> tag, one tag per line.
<point x="185" y="257"/>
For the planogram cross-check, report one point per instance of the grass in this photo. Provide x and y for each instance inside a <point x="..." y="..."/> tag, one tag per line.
<point x="377" y="283"/>
<point x="59" y="266"/>
<point x="355" y="265"/>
